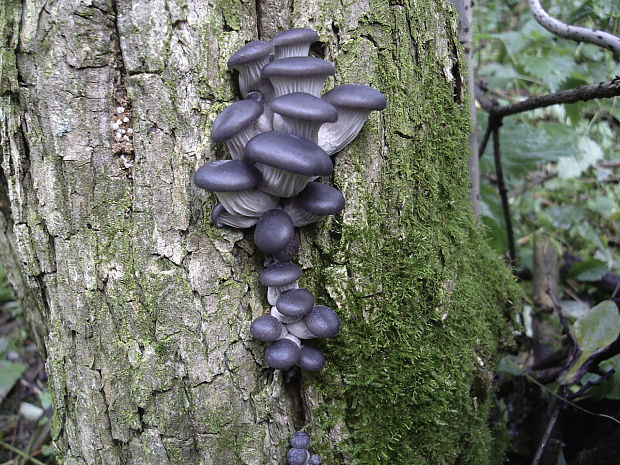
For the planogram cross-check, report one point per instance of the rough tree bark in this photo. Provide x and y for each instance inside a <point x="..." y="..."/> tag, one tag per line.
<point x="142" y="308"/>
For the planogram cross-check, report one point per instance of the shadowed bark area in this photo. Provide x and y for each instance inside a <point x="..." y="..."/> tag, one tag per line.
<point x="143" y="308"/>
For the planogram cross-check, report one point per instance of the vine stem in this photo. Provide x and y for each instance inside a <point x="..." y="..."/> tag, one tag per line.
<point x="20" y="453"/>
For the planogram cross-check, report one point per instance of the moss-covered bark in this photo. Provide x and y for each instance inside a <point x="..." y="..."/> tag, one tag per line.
<point x="143" y="308"/>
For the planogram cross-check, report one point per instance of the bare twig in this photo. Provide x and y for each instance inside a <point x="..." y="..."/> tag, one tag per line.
<point x="590" y="384"/>
<point x="20" y="453"/>
<point x="545" y="438"/>
<point x="580" y="34"/>
<point x="503" y="192"/>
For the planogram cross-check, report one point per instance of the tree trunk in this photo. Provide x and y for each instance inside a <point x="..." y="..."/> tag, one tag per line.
<point x="142" y="308"/>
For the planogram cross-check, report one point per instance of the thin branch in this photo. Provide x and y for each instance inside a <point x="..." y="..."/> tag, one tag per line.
<point x="545" y="438"/>
<point x="503" y="192"/>
<point x="580" y="34"/>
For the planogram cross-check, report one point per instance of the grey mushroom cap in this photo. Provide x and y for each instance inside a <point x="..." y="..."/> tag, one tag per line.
<point x="311" y="359"/>
<point x="266" y="328"/>
<point x="321" y="199"/>
<point x="300" y="439"/>
<point x="220" y="217"/>
<point x="274" y="231"/>
<point x="250" y="52"/>
<point x="315" y="459"/>
<point x="355" y="96"/>
<point x="323" y="322"/>
<point x="297" y="456"/>
<point x="234" y="118"/>
<point x="227" y="176"/>
<point x="280" y="274"/>
<point x="290" y="153"/>
<point x="282" y="354"/>
<point x="302" y="105"/>
<point x="295" y="36"/>
<point x="295" y="302"/>
<point x="298" y="74"/>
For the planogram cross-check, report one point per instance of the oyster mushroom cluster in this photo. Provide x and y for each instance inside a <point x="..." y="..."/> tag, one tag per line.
<point x="280" y="138"/>
<point x="298" y="453"/>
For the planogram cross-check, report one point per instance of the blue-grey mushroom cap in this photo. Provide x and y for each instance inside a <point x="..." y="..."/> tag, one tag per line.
<point x="251" y="51"/>
<point x="355" y="96"/>
<point x="290" y="153"/>
<point x="274" y="231"/>
<point x="295" y="302"/>
<point x="315" y="459"/>
<point x="234" y="118"/>
<point x="266" y="328"/>
<point x="311" y="359"/>
<point x="295" y="36"/>
<point x="300" y="439"/>
<point x="304" y="106"/>
<point x="288" y="252"/>
<point x="323" y="322"/>
<point x="227" y="176"/>
<point x="321" y="199"/>
<point x="282" y="354"/>
<point x="299" y="66"/>
<point x="296" y="456"/>
<point x="280" y="274"/>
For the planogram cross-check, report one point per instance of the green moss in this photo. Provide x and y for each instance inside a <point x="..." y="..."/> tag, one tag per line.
<point x="423" y="299"/>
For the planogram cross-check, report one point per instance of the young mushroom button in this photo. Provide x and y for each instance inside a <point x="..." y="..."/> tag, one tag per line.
<point x="323" y="321"/>
<point x="266" y="328"/>
<point x="311" y="359"/>
<point x="282" y="354"/>
<point x="315" y="202"/>
<point x="274" y="231"/>
<point x="300" y="440"/>
<point x="295" y="302"/>
<point x="297" y="456"/>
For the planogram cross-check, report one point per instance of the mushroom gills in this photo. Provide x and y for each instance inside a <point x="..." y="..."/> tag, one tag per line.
<point x="247" y="203"/>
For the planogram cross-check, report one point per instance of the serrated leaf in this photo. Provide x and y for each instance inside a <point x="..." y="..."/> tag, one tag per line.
<point x="594" y="331"/>
<point x="588" y="270"/>
<point x="589" y="153"/>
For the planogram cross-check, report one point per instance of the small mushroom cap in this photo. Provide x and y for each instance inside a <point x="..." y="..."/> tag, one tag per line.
<point x="295" y="36"/>
<point x="311" y="359"/>
<point x="300" y="439"/>
<point x="251" y="51"/>
<point x="266" y="328"/>
<point x="288" y="252"/>
<point x="304" y="106"/>
<point x="323" y="322"/>
<point x="355" y="96"/>
<point x="234" y="118"/>
<point x="296" y="456"/>
<point x="290" y="153"/>
<point x="274" y="231"/>
<point x="295" y="302"/>
<point x="315" y="459"/>
<point x="282" y="354"/>
<point x="321" y="199"/>
<point x="280" y="274"/>
<point x="227" y="176"/>
<point x="299" y="66"/>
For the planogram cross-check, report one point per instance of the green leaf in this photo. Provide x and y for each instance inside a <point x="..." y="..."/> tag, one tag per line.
<point x="10" y="372"/>
<point x="507" y="366"/>
<point x="603" y="205"/>
<point x="588" y="271"/>
<point x="553" y="70"/>
<point x="596" y="330"/>
<point x="589" y="234"/>
<point x="610" y="387"/>
<point x="45" y="397"/>
<point x="566" y="216"/>
<point x="589" y="153"/>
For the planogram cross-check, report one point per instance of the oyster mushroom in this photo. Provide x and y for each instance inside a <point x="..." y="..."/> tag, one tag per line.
<point x="302" y="114"/>
<point x="313" y="204"/>
<point x="298" y="74"/>
<point x="294" y="42"/>
<point x="249" y="60"/>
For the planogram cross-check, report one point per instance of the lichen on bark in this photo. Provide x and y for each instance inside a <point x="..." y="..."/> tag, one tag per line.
<point x="143" y="308"/>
